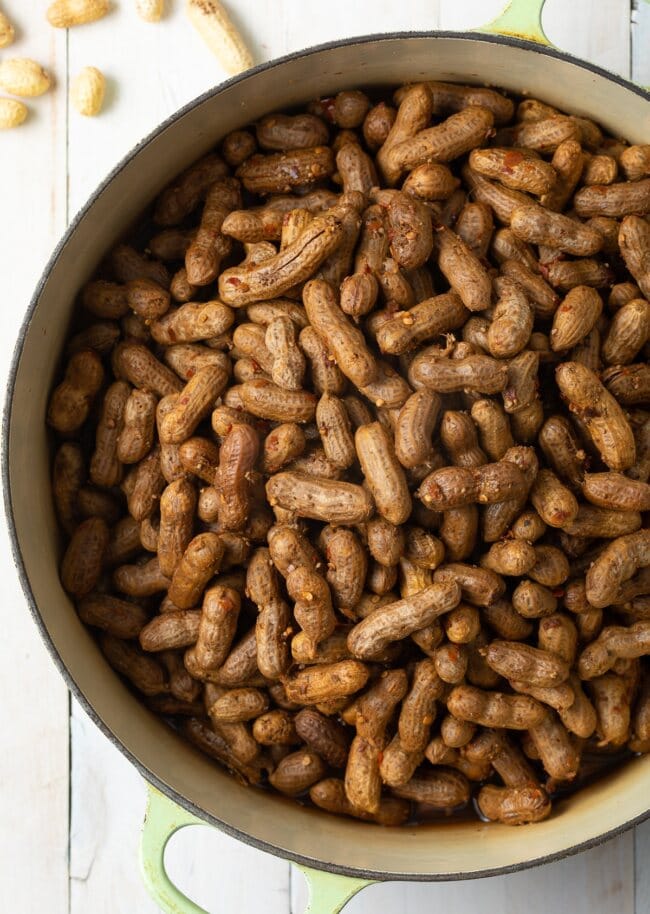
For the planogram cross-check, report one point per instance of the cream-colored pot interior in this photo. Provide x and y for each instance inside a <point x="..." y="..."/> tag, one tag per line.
<point x="436" y="852"/>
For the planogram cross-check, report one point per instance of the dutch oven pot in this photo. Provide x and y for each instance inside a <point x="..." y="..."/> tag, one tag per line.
<point x="188" y="784"/>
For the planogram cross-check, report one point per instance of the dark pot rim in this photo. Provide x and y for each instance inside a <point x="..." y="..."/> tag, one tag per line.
<point x="148" y="774"/>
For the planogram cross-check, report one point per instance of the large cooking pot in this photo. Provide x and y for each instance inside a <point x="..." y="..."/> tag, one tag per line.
<point x="183" y="777"/>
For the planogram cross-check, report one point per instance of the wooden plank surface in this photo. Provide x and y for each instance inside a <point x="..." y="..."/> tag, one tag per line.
<point x="34" y="706"/>
<point x="152" y="70"/>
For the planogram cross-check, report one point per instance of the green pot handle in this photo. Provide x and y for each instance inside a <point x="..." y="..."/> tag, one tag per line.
<point x="520" y="19"/>
<point x="162" y="819"/>
<point x="328" y="893"/>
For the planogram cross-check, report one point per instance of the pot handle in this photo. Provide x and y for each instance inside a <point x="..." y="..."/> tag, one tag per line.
<point x="328" y="892"/>
<point x="162" y="819"/>
<point x="520" y="19"/>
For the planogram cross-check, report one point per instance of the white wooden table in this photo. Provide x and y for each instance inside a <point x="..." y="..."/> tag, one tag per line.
<point x="70" y="804"/>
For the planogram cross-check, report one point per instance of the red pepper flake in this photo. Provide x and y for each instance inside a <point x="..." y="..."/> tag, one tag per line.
<point x="511" y="159"/>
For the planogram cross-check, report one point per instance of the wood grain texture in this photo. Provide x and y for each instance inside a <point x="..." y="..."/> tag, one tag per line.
<point x="151" y="70"/>
<point x="34" y="708"/>
<point x="598" y="882"/>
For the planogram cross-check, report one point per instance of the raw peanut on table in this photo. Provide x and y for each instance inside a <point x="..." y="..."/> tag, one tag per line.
<point x="24" y="77"/>
<point x="7" y="33"/>
<point x="212" y="22"/>
<point x="87" y="91"/>
<point x="64" y="14"/>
